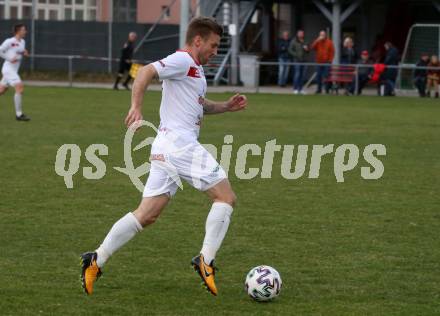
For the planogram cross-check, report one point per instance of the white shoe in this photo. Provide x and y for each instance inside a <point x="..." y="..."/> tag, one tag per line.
<point x="295" y="92"/>
<point x="303" y="92"/>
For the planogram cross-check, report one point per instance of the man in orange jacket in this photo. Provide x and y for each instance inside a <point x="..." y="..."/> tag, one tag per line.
<point x="325" y="52"/>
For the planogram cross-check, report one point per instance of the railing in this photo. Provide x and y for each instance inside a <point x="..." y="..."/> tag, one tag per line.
<point x="399" y="86"/>
<point x="70" y="64"/>
<point x="82" y="64"/>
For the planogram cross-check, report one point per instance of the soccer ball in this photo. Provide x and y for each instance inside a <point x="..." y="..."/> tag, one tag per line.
<point x="263" y="283"/>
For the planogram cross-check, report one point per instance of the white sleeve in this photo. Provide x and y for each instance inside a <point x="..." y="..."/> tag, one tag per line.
<point x="4" y="47"/>
<point x="174" y="66"/>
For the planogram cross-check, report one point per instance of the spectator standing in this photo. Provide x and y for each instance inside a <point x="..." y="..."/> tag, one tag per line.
<point x="433" y="75"/>
<point x="125" y="61"/>
<point x="420" y="75"/>
<point x="298" y="50"/>
<point x="390" y="74"/>
<point x="349" y="55"/>
<point x="325" y="52"/>
<point x="283" y="59"/>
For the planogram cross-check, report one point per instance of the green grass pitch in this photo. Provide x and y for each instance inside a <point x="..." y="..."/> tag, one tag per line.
<point x="362" y="247"/>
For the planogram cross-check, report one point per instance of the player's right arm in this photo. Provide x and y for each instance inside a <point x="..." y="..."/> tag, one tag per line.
<point x="143" y="79"/>
<point x="4" y="48"/>
<point x="174" y="66"/>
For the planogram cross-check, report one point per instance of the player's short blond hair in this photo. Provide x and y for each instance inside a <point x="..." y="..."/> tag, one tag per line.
<point x="202" y="26"/>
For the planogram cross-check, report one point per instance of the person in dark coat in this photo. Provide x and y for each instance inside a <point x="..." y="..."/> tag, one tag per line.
<point x="298" y="50"/>
<point x="390" y="75"/>
<point x="283" y="58"/>
<point x="420" y="75"/>
<point x="348" y="55"/>
<point x="125" y="61"/>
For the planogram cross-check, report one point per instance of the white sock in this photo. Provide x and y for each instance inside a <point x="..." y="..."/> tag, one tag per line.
<point x="216" y="227"/>
<point x="17" y="102"/>
<point x="122" y="231"/>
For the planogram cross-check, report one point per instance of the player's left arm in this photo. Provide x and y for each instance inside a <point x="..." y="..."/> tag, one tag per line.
<point x="235" y="103"/>
<point x="26" y="53"/>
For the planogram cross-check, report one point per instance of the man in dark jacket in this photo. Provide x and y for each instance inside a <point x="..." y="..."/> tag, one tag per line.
<point x="125" y="61"/>
<point x="389" y="76"/>
<point x="298" y="50"/>
<point x="283" y="58"/>
<point x="420" y="75"/>
<point x="363" y="75"/>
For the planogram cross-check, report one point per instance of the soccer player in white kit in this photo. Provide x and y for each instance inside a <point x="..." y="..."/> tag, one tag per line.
<point x="12" y="51"/>
<point x="177" y="152"/>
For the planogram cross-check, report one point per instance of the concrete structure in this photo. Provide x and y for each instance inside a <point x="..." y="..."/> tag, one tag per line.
<point x="133" y="11"/>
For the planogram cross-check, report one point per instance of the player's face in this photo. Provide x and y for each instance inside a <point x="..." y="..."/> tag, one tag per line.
<point x="22" y="32"/>
<point x="208" y="47"/>
<point x="132" y="37"/>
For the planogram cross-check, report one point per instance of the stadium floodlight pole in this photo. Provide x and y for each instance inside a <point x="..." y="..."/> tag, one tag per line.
<point x="110" y="35"/>
<point x="34" y="9"/>
<point x="184" y="20"/>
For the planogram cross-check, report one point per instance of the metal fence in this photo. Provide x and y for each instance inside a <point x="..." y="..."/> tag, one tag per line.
<point x="266" y="73"/>
<point x="64" y="68"/>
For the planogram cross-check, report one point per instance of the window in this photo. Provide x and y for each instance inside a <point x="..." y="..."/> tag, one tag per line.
<point x="91" y="15"/>
<point x="2" y="11"/>
<point x="166" y="12"/>
<point x="26" y="12"/>
<point x="41" y="14"/>
<point x="132" y="15"/>
<point x="79" y="15"/>
<point x="14" y="12"/>
<point x="124" y="10"/>
<point x="54" y="1"/>
<point x="53" y="15"/>
<point x="68" y="14"/>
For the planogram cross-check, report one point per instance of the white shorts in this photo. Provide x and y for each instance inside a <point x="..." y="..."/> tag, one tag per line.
<point x="10" y="79"/>
<point x="173" y="159"/>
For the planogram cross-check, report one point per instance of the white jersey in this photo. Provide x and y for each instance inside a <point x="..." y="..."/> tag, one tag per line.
<point x="184" y="87"/>
<point x="11" y="49"/>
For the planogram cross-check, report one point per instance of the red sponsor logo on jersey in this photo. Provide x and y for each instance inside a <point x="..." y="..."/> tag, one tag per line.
<point x="193" y="72"/>
<point x="159" y="157"/>
<point x="161" y="63"/>
<point x="14" y="44"/>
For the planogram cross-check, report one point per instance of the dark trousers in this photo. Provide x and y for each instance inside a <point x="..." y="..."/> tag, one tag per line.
<point x="283" y="70"/>
<point x="321" y="74"/>
<point x="362" y="82"/>
<point x="298" y="77"/>
<point x="420" y="83"/>
<point x="123" y="68"/>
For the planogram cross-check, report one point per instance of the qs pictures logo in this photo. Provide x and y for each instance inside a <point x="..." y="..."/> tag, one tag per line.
<point x="346" y="158"/>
